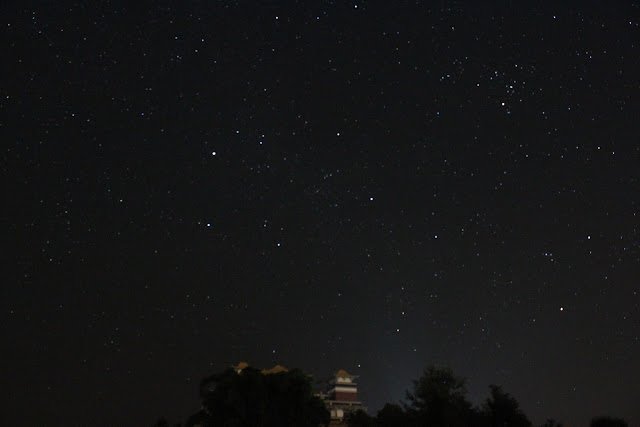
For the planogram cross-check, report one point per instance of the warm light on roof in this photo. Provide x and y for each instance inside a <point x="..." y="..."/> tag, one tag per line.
<point x="275" y="370"/>
<point x="242" y="365"/>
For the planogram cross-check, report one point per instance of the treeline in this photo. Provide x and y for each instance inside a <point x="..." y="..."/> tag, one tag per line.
<point x="252" y="398"/>
<point x="438" y="398"/>
<point x="286" y="398"/>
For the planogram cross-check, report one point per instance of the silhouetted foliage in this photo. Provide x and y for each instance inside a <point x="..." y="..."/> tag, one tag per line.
<point x="359" y="418"/>
<point x="551" y="423"/>
<point x="439" y="399"/>
<point x="251" y="398"/>
<point x="501" y="409"/>
<point x="608" y="422"/>
<point x="162" y="422"/>
<point x="393" y="415"/>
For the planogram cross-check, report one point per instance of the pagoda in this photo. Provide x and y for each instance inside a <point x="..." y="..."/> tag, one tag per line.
<point x="342" y="397"/>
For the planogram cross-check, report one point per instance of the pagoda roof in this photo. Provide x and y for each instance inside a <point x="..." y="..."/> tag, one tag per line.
<point x="275" y="370"/>
<point x="343" y="373"/>
<point x="240" y="366"/>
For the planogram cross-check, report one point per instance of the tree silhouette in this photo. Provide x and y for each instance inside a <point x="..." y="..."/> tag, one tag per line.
<point x="251" y="398"/>
<point x="551" y="423"/>
<point x="285" y="398"/>
<point x="501" y="409"/>
<point x="439" y="399"/>
<point x="393" y="415"/>
<point x="359" y="418"/>
<point x="162" y="422"/>
<point x="608" y="422"/>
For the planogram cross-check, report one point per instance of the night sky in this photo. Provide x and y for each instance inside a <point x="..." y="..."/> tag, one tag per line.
<point x="370" y="186"/>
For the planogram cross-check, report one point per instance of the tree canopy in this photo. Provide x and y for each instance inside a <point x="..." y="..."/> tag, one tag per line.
<point x="252" y="398"/>
<point x="439" y="399"/>
<point x="608" y="422"/>
<point x="501" y="409"/>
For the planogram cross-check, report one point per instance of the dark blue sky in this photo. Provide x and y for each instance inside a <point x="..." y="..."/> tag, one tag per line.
<point x="372" y="186"/>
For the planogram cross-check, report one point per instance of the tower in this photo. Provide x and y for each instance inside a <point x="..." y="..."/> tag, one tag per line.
<point x="342" y="396"/>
